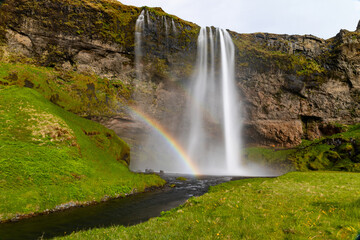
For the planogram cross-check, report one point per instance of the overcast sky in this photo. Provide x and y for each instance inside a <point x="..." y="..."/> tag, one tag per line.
<point x="322" y="18"/>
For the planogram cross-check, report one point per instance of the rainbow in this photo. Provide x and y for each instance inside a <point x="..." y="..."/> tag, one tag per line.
<point x="168" y="137"/>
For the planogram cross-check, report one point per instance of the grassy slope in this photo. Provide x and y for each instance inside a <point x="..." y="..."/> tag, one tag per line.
<point x="85" y="95"/>
<point x="49" y="156"/>
<point x="321" y="205"/>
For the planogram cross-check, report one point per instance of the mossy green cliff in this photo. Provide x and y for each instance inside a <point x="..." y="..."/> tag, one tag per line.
<point x="338" y="152"/>
<point x="293" y="87"/>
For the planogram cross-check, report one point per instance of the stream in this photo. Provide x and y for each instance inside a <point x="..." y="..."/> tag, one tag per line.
<point x="126" y="211"/>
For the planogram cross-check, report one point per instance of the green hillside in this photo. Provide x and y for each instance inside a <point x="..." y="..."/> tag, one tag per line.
<point x="49" y="156"/>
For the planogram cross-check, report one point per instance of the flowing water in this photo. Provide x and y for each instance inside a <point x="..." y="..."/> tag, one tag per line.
<point x="166" y="26"/>
<point x="210" y="131"/>
<point x="173" y="27"/>
<point x="125" y="211"/>
<point x="231" y="103"/>
<point x="139" y="27"/>
<point x="214" y="104"/>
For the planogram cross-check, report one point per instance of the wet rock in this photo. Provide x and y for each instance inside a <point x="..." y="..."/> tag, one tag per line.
<point x="334" y="141"/>
<point x="28" y="84"/>
<point x="295" y="85"/>
<point x="105" y="198"/>
<point x="356" y="159"/>
<point x="328" y="129"/>
<point x="181" y="179"/>
<point x="272" y="132"/>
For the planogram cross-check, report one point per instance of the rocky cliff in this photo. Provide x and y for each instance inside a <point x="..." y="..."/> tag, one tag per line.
<point x="292" y="86"/>
<point x="297" y="86"/>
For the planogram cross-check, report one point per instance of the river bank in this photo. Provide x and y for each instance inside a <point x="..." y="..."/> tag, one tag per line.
<point x="297" y="205"/>
<point x="76" y="204"/>
<point x="126" y="211"/>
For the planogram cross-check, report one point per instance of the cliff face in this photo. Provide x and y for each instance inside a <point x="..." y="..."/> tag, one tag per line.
<point x="292" y="87"/>
<point x="87" y="35"/>
<point x="297" y="86"/>
<point x="94" y="36"/>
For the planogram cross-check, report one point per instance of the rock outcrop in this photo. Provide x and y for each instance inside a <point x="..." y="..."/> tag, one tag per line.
<point x="292" y="86"/>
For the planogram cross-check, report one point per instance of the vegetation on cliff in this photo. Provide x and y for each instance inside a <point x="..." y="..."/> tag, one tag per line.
<point x="338" y="152"/>
<point x="51" y="157"/>
<point x="294" y="206"/>
<point x="85" y="95"/>
<point x="270" y="52"/>
<point x="57" y="31"/>
<point x="106" y="20"/>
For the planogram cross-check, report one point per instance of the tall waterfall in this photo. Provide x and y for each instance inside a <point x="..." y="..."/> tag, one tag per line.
<point x="213" y="114"/>
<point x="139" y="27"/>
<point x="207" y="139"/>
<point x="230" y="103"/>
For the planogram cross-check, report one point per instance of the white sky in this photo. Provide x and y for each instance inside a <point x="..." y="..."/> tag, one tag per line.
<point x="322" y="18"/>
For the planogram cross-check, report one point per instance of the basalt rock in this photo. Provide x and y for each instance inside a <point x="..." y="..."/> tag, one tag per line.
<point x="291" y="86"/>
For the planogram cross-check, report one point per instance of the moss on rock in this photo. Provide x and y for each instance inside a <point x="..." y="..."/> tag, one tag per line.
<point x="338" y="152"/>
<point x="85" y="95"/>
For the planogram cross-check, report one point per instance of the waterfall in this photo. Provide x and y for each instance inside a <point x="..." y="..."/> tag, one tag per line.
<point x="230" y="103"/>
<point x="173" y="27"/>
<point x="149" y="21"/>
<point x="165" y="23"/>
<point x="139" y="28"/>
<point x="207" y="140"/>
<point x="213" y="114"/>
<point x="166" y="26"/>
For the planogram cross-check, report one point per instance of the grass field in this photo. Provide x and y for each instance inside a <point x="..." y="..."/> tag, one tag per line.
<point x="298" y="205"/>
<point x="49" y="157"/>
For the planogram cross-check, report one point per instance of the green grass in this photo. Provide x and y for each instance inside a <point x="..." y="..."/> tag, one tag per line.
<point x="49" y="156"/>
<point x="84" y="95"/>
<point x="275" y="159"/>
<point x="298" y="205"/>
